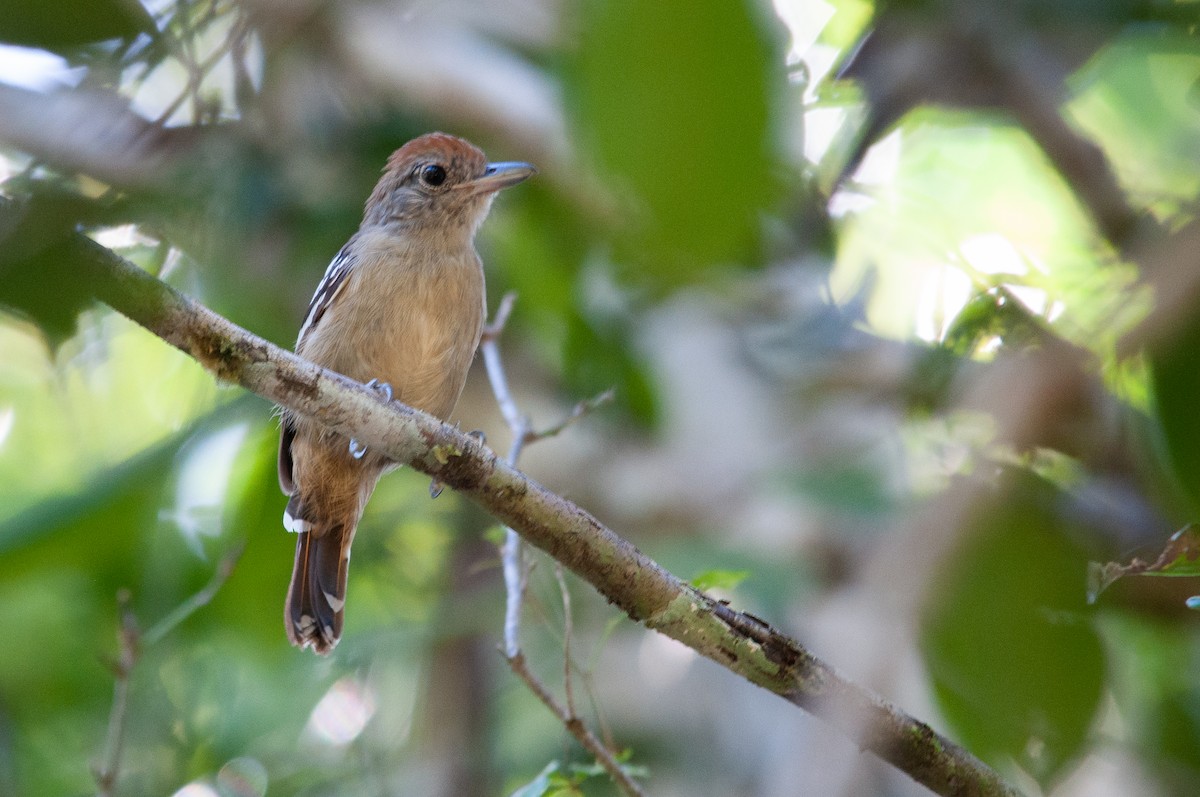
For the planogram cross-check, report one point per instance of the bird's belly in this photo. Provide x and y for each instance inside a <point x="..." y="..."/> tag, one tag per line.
<point x="424" y="357"/>
<point x="421" y="340"/>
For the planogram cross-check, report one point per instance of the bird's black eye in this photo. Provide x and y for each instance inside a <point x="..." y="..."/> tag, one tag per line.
<point x="433" y="175"/>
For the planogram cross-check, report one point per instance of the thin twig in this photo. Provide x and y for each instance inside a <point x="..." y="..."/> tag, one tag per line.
<point x="511" y="553"/>
<point x="515" y="583"/>
<point x="575" y="725"/>
<point x="198" y="71"/>
<point x="127" y="657"/>
<point x="515" y="572"/>
<point x="568" y="630"/>
<point x="131" y="643"/>
<point x="580" y="410"/>
<point x="198" y="601"/>
<point x="488" y="346"/>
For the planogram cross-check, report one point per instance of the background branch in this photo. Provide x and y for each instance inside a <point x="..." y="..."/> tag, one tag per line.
<point x="131" y="644"/>
<point x="516" y="573"/>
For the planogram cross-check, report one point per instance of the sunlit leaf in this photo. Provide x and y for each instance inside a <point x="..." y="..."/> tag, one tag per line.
<point x="1137" y="99"/>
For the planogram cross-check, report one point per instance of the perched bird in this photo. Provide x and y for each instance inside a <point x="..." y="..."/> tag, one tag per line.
<point x="402" y="305"/>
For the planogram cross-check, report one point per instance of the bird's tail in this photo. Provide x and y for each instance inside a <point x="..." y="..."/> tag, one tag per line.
<point x="316" y="597"/>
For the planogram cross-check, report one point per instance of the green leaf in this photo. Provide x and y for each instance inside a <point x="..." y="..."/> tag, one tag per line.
<point x="594" y="362"/>
<point x="994" y="313"/>
<point x="676" y="100"/>
<point x="536" y="249"/>
<point x="62" y="25"/>
<point x="1179" y="557"/>
<point x="541" y="785"/>
<point x="1016" y="665"/>
<point x="39" y="277"/>
<point x="1175" y="382"/>
<point x="718" y="579"/>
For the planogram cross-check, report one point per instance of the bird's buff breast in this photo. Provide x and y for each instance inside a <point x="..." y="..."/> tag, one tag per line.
<point x="414" y="324"/>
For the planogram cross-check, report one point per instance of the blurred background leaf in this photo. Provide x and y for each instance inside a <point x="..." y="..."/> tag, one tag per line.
<point x="683" y="117"/>
<point x="1015" y="664"/>
<point x="33" y="24"/>
<point x="1176" y="383"/>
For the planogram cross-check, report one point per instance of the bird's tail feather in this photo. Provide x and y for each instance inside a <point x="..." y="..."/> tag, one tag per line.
<point x="316" y="598"/>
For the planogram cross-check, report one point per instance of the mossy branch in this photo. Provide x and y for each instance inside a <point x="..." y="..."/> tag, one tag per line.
<point x="632" y="581"/>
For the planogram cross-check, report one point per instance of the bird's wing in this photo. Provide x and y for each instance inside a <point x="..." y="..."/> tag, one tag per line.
<point x="337" y="276"/>
<point x="335" y="279"/>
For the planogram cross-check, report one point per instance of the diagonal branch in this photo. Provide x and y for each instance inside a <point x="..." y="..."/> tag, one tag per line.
<point x="649" y="594"/>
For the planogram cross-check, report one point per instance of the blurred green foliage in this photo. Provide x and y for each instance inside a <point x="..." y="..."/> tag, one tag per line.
<point x="1176" y="384"/>
<point x="35" y="24"/>
<point x="1008" y="619"/>
<point x="701" y="168"/>
<point x="690" y="136"/>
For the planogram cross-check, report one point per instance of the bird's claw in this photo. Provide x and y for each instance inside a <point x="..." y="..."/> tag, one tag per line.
<point x="357" y="449"/>
<point x="435" y="488"/>
<point x="383" y="388"/>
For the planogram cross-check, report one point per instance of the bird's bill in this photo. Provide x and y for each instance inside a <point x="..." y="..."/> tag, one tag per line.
<point x="500" y="175"/>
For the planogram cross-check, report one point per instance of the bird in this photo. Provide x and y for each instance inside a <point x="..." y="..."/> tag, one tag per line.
<point x="401" y="309"/>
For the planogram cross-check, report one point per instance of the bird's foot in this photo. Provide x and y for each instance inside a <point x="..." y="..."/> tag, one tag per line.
<point x="357" y="449"/>
<point x="383" y="388"/>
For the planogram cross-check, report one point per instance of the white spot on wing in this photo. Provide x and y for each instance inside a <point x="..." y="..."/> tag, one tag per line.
<point x="335" y="603"/>
<point x="295" y="525"/>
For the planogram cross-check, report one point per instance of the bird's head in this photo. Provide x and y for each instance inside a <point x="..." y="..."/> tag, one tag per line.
<point x="439" y="181"/>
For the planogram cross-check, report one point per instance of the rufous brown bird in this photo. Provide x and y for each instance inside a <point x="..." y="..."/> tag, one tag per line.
<point x="401" y="308"/>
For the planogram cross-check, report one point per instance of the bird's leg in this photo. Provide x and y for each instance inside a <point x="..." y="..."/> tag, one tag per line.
<point x="357" y="449"/>
<point x="435" y="486"/>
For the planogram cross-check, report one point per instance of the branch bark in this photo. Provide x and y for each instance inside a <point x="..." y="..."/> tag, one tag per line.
<point x="632" y="581"/>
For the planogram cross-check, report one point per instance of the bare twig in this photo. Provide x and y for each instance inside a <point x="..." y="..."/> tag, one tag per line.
<point x="519" y="425"/>
<point x="580" y="410"/>
<point x="127" y="657"/>
<point x="573" y="724"/>
<point x="198" y="70"/>
<point x="515" y="572"/>
<point x="131" y="643"/>
<point x="198" y="601"/>
<point x="568" y="630"/>
<point x="631" y="580"/>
